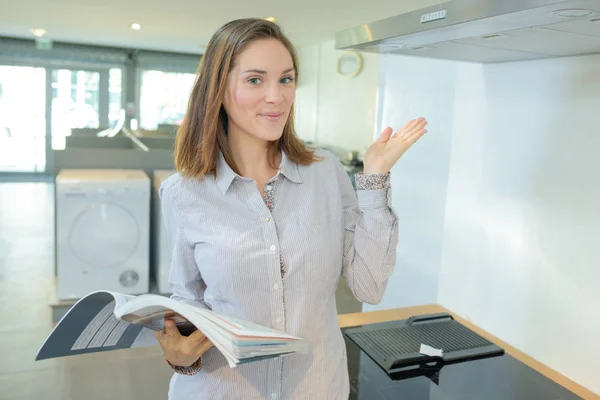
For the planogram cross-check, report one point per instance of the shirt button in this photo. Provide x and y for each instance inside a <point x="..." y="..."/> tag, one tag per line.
<point x="278" y="320"/>
<point x="276" y="286"/>
<point x="273" y="395"/>
<point x="268" y="219"/>
<point x="272" y="248"/>
<point x="269" y="187"/>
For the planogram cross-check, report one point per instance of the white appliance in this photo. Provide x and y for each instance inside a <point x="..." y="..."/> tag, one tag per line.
<point x="161" y="262"/>
<point x="485" y="31"/>
<point x="102" y="231"/>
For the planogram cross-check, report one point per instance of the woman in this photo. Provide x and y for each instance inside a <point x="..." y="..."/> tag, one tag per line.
<point x="262" y="228"/>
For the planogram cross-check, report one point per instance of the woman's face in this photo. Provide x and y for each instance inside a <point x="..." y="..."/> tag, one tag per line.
<point x="260" y="90"/>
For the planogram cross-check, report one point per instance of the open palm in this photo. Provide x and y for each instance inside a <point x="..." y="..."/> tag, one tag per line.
<point x="387" y="149"/>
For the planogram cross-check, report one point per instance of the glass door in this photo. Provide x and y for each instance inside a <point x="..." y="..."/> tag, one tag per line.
<point x="163" y="98"/>
<point x="22" y="119"/>
<point x="75" y="105"/>
<point x="60" y="101"/>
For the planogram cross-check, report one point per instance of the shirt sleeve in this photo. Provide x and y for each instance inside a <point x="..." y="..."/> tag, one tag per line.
<point x="185" y="279"/>
<point x="371" y="234"/>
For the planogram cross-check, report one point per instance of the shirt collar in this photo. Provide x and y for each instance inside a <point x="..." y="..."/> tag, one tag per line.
<point x="289" y="169"/>
<point x="226" y="175"/>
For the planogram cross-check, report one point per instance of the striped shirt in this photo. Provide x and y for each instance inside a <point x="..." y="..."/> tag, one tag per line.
<point x="228" y="246"/>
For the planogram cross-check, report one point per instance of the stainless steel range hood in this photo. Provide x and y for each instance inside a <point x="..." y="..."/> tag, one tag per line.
<point x="484" y="31"/>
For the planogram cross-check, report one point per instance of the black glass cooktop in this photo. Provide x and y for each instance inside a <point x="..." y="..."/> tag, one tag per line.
<point x="491" y="378"/>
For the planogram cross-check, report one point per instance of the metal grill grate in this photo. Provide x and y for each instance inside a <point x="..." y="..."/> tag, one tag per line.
<point x="395" y="345"/>
<point x="392" y="342"/>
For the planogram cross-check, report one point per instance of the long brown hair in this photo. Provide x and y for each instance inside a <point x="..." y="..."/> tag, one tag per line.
<point x="203" y="131"/>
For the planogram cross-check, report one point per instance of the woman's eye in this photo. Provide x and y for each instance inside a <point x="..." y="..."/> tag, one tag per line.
<point x="253" y="81"/>
<point x="287" y="79"/>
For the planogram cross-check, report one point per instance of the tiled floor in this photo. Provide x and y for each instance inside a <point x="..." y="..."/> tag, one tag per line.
<point x="26" y="273"/>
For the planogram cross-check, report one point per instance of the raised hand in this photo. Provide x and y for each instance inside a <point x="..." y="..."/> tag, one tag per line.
<point x="387" y="149"/>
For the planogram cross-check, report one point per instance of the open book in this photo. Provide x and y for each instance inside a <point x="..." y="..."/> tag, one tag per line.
<point x="103" y="321"/>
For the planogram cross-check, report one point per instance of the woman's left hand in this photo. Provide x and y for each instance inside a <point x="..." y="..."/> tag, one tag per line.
<point x="387" y="149"/>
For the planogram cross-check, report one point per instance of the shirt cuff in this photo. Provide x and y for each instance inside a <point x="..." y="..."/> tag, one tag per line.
<point x="373" y="190"/>
<point x="373" y="199"/>
<point x="372" y="181"/>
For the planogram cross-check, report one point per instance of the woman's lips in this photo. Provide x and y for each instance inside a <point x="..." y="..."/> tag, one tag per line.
<point x="274" y="117"/>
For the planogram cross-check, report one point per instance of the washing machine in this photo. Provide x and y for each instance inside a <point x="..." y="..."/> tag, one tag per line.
<point x="161" y="260"/>
<point x="102" y="231"/>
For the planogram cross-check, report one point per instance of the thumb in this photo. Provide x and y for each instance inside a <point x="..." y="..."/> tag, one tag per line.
<point x="171" y="329"/>
<point x="385" y="135"/>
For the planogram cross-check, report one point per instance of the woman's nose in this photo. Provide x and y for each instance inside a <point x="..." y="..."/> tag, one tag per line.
<point x="274" y="94"/>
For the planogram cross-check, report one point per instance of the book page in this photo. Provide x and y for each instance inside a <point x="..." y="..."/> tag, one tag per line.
<point x="90" y="326"/>
<point x="153" y="317"/>
<point x="121" y="298"/>
<point x="240" y="327"/>
<point x="151" y="311"/>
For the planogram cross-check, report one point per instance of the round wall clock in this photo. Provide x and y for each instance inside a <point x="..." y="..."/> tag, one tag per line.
<point x="349" y="64"/>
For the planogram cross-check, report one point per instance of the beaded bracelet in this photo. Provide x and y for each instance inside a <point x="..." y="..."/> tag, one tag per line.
<point x="190" y="370"/>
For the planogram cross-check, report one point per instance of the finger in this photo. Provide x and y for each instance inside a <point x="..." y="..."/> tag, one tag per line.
<point x="160" y="338"/>
<point x="414" y="122"/>
<point x="410" y="135"/>
<point x="204" y="346"/>
<point x="171" y="329"/>
<point x="416" y="136"/>
<point x="403" y="129"/>
<point x="197" y="336"/>
<point x="408" y="127"/>
<point x="415" y="128"/>
<point x="385" y="135"/>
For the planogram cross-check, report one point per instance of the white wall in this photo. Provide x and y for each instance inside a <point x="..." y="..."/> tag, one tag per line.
<point x="332" y="110"/>
<point x="521" y="252"/>
<point x="307" y="93"/>
<point x="499" y="203"/>
<point x="409" y="90"/>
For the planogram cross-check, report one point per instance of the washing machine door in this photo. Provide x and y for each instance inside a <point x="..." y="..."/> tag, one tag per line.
<point x="104" y="235"/>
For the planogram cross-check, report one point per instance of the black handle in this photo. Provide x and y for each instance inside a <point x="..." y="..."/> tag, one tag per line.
<point x="428" y="317"/>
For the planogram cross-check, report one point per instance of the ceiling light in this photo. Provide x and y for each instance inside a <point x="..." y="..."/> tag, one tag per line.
<point x="271" y="19"/>
<point x="38" y="32"/>
<point x="135" y="27"/>
<point x="573" y="13"/>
